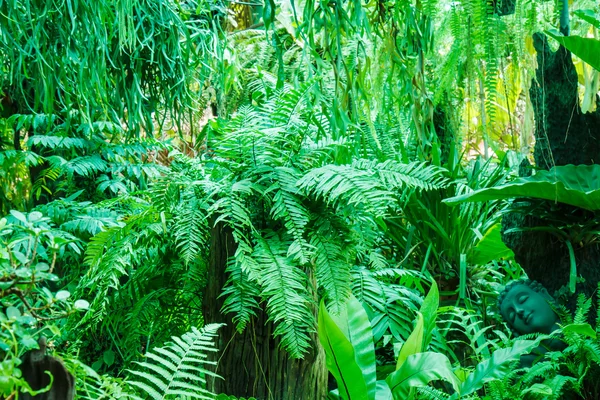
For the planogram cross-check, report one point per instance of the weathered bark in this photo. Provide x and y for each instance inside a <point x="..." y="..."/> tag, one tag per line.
<point x="251" y="363"/>
<point x="564" y="135"/>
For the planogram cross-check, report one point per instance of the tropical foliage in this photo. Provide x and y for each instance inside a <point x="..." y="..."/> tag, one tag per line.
<point x="356" y="158"/>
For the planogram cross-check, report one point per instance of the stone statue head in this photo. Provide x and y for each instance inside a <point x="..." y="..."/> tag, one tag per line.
<point x="525" y="306"/>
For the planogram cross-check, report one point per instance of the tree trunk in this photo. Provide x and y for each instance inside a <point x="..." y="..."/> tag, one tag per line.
<point x="251" y="362"/>
<point x="564" y="135"/>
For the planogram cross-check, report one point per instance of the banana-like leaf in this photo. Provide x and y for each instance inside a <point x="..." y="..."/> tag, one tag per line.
<point x="589" y="16"/>
<point x="383" y="392"/>
<point x="348" y="343"/>
<point x="497" y="366"/>
<point x="420" y="369"/>
<point x="587" y="49"/>
<point x="577" y="185"/>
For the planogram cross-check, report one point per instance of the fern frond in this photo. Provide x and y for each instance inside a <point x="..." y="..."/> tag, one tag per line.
<point x="190" y="230"/>
<point x="178" y="368"/>
<point x="582" y="310"/>
<point x="392" y="305"/>
<point x="86" y="165"/>
<point x="348" y="185"/>
<point x="332" y="268"/>
<point x="240" y="294"/>
<point x="284" y="286"/>
<point x="57" y="142"/>
<point x="288" y="207"/>
<point x="417" y="175"/>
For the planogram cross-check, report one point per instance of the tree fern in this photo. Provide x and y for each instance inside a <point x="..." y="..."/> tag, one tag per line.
<point x="178" y="369"/>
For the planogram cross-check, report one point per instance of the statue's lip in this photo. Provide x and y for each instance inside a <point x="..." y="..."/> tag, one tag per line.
<point x="528" y="317"/>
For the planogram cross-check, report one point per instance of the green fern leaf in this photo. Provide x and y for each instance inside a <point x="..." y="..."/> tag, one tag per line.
<point x="178" y="369"/>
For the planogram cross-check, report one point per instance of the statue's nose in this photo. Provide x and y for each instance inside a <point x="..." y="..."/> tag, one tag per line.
<point x="520" y="311"/>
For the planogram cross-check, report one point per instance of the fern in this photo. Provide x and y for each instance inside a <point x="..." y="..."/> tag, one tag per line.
<point x="287" y="206"/>
<point x="240" y="293"/>
<point x="344" y="184"/>
<point x="283" y="287"/>
<point x="190" y="229"/>
<point x="392" y="306"/>
<point x="178" y="368"/>
<point x="332" y="265"/>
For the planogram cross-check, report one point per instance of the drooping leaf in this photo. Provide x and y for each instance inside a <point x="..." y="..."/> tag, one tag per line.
<point x="581" y="329"/>
<point x="587" y="49"/>
<point x="576" y="185"/>
<point x="497" y="366"/>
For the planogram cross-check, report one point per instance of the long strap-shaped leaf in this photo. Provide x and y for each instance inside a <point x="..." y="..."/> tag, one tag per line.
<point x="348" y="343"/>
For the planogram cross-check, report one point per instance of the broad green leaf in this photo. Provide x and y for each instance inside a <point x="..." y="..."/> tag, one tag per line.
<point x="588" y="16"/>
<point x="341" y="360"/>
<point x="497" y="365"/>
<point x="581" y="329"/>
<point x="13" y="312"/>
<point x="490" y="247"/>
<point x="414" y="343"/>
<point x="62" y="295"/>
<point x="19" y="215"/>
<point x="109" y="357"/>
<point x="569" y="184"/>
<point x="429" y="312"/>
<point x="420" y="369"/>
<point x="81" y="304"/>
<point x="354" y="322"/>
<point x="587" y="49"/>
<point x="383" y="391"/>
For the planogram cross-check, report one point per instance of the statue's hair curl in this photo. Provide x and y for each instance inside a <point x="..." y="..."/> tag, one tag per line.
<point x="534" y="285"/>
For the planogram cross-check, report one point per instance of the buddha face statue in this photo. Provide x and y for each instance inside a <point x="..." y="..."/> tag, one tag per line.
<point x="527" y="310"/>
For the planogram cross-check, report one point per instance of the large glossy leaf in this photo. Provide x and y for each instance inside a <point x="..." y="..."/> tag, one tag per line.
<point x="354" y="322"/>
<point x="420" y="369"/>
<point x="589" y="16"/>
<point x="577" y="185"/>
<point x="340" y="358"/>
<point x="383" y="391"/>
<point x="490" y="247"/>
<point x="587" y="49"/>
<point x="497" y="366"/>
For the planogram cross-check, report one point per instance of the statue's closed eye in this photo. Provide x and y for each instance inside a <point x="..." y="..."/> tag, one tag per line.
<point x="522" y="299"/>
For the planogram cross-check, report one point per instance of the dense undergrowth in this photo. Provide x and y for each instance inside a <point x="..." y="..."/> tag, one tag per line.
<point x="337" y="143"/>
